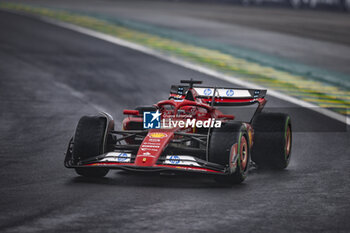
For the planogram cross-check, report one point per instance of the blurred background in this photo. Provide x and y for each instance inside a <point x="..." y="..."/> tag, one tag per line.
<point x="342" y="5"/>
<point x="303" y="53"/>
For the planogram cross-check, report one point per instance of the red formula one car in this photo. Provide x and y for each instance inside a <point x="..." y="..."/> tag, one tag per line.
<point x="186" y="133"/>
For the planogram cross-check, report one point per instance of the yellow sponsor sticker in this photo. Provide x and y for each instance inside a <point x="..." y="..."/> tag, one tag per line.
<point x="157" y="135"/>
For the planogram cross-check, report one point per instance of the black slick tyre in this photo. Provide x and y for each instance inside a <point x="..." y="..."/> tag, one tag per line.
<point x="89" y="141"/>
<point x="227" y="143"/>
<point x="272" y="144"/>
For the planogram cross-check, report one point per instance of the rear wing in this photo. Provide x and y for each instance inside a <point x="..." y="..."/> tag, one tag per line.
<point x="224" y="96"/>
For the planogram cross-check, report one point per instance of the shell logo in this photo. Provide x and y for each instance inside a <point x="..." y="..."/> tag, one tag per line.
<point x="157" y="135"/>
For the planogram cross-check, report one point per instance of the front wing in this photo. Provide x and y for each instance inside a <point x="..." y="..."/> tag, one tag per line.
<point x="170" y="163"/>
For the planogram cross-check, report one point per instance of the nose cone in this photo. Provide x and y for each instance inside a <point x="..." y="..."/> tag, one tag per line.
<point x="152" y="147"/>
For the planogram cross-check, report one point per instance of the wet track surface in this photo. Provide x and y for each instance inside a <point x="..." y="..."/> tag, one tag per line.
<point x="51" y="76"/>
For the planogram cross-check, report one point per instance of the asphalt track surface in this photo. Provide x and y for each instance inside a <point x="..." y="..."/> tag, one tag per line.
<point x="51" y="76"/>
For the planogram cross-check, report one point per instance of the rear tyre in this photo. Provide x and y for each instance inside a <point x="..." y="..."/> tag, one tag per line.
<point x="89" y="141"/>
<point x="143" y="109"/>
<point x="272" y="145"/>
<point x="225" y="143"/>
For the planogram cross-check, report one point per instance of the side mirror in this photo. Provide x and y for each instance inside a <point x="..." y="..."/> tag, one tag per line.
<point x="131" y="112"/>
<point x="231" y="117"/>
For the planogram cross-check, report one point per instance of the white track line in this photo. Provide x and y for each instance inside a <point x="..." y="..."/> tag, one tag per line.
<point x="196" y="67"/>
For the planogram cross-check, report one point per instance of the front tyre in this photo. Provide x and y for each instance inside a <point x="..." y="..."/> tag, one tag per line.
<point x="229" y="146"/>
<point x="90" y="140"/>
<point x="272" y="145"/>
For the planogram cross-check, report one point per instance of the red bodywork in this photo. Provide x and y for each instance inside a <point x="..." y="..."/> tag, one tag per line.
<point x="155" y="141"/>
